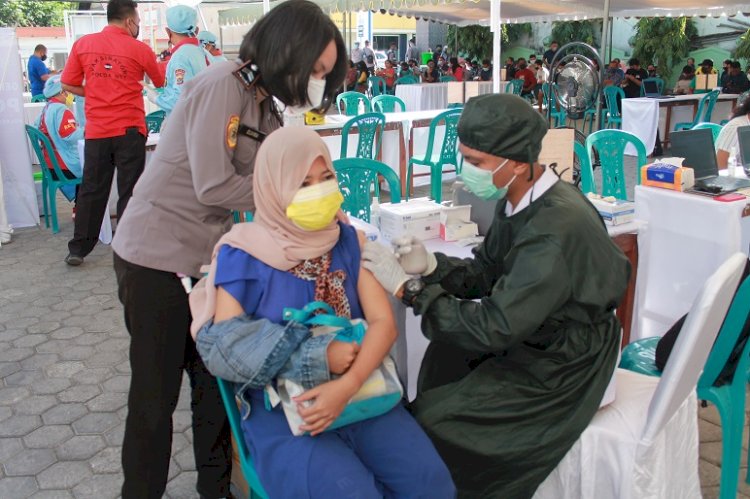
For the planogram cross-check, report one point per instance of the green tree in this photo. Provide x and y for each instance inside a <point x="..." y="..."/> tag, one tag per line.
<point x="743" y="46"/>
<point x="663" y="41"/>
<point x="476" y="41"/>
<point x="33" y="13"/>
<point x="564" y="32"/>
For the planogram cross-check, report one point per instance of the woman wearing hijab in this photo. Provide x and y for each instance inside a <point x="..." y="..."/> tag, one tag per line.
<point x="182" y="205"/>
<point x="297" y="251"/>
<point x="524" y="339"/>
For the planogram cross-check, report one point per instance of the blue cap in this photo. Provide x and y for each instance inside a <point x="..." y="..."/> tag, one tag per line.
<point x="52" y="86"/>
<point x="206" y="37"/>
<point x="182" y="19"/>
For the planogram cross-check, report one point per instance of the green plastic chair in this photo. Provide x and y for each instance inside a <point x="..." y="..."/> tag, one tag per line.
<point x="729" y="397"/>
<point x="377" y="86"/>
<point x="50" y="183"/>
<point x="154" y="121"/>
<point x="586" y="170"/>
<point x="370" y="128"/>
<point x="705" y="110"/>
<point x="514" y="87"/>
<point x="359" y="179"/>
<point x="39" y="98"/>
<point x="612" y="115"/>
<point x="387" y="104"/>
<point x="552" y="110"/>
<point x="438" y="155"/>
<point x="715" y="129"/>
<point x="610" y="144"/>
<point x="447" y="79"/>
<point x="246" y="461"/>
<point x="659" y="85"/>
<point x="406" y="80"/>
<point x="351" y="103"/>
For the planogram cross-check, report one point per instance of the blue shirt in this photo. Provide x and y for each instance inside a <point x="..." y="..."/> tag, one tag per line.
<point x="186" y="62"/>
<point x="264" y="292"/>
<point x="36" y="70"/>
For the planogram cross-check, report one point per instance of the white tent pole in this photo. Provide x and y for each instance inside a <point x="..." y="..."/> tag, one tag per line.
<point x="605" y="34"/>
<point x="266" y="6"/>
<point x="497" y="33"/>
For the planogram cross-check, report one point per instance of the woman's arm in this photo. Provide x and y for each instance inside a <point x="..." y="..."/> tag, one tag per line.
<point x="227" y="307"/>
<point x="722" y="158"/>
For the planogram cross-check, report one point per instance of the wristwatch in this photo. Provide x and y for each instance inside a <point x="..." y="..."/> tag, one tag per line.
<point x="412" y="288"/>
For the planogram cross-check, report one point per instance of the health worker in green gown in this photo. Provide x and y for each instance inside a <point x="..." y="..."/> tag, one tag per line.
<point x="523" y="336"/>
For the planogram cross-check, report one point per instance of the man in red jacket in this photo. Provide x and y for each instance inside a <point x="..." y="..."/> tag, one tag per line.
<point x="107" y="68"/>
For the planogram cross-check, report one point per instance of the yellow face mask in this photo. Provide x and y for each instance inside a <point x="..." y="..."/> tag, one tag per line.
<point x="69" y="100"/>
<point x="315" y="206"/>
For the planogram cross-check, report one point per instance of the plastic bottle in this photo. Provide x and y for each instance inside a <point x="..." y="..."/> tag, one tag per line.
<point x="732" y="162"/>
<point x="360" y="107"/>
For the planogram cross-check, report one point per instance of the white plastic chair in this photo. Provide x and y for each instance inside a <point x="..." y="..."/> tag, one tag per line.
<point x="645" y="444"/>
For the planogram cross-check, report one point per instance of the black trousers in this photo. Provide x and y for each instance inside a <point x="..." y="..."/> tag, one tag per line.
<point x="128" y="154"/>
<point x="157" y="317"/>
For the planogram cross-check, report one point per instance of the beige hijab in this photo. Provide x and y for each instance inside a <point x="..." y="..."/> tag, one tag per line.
<point x="282" y="163"/>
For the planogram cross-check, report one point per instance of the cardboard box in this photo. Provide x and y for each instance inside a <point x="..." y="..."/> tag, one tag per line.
<point x="418" y="217"/>
<point x="613" y="211"/>
<point x="455" y="223"/>
<point x="667" y="176"/>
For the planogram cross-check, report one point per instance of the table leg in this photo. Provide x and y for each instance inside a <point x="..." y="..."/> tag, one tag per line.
<point x="410" y="186"/>
<point x="402" y="158"/>
<point x="628" y="243"/>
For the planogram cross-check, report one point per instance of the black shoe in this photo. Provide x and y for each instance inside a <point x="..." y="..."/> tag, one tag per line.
<point x="73" y="260"/>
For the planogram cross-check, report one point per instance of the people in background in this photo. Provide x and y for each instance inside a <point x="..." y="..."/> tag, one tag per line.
<point x="38" y="71"/>
<point x="208" y="42"/>
<point x="363" y="73"/>
<point x="550" y="54"/>
<point x="457" y="68"/>
<point x="527" y="75"/>
<point x="294" y="252"/>
<point x="485" y="74"/>
<point x="350" y="83"/>
<point x="392" y="53"/>
<point x="523" y="335"/>
<point x="180" y="209"/>
<point x="438" y="54"/>
<point x="416" y="71"/>
<point x="188" y="58"/>
<point x="613" y="74"/>
<point x="728" y="139"/>
<point x="510" y="69"/>
<point x="442" y="65"/>
<point x="431" y="74"/>
<point x="58" y="123"/>
<point x="635" y="74"/>
<point x="707" y="68"/>
<point x="726" y="67"/>
<point x="368" y="55"/>
<point x="736" y="81"/>
<point x="542" y="75"/>
<point x="388" y="73"/>
<point x="652" y="71"/>
<point x="404" y="70"/>
<point x="685" y="82"/>
<point x="532" y="60"/>
<point x="691" y="62"/>
<point x="356" y="54"/>
<point x="412" y="52"/>
<point x="115" y="119"/>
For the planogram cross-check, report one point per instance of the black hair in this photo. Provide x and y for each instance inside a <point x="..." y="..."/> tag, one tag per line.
<point x="727" y="61"/>
<point x="454" y="61"/>
<point x="532" y="55"/>
<point x="362" y="66"/>
<point x="687" y="72"/>
<point x="39" y="48"/>
<point x="554" y="42"/>
<point x="634" y="62"/>
<point x="119" y="10"/>
<point x="286" y="43"/>
<point x="735" y="64"/>
<point x="743" y="106"/>
<point x="485" y="61"/>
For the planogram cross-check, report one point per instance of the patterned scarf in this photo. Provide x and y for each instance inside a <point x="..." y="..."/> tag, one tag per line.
<point x="329" y="286"/>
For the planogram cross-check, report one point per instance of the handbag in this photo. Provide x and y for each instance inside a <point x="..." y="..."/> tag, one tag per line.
<point x="380" y="393"/>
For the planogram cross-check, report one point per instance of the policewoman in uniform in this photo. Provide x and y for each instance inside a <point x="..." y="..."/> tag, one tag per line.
<point x="201" y="170"/>
<point x="524" y="339"/>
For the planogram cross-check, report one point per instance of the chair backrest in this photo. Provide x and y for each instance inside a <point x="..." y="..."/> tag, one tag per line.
<point x="727" y="339"/>
<point x="714" y="127"/>
<point x="514" y="87"/>
<point x="388" y="104"/>
<point x="586" y="170"/>
<point x="246" y="462"/>
<point x="610" y="144"/>
<point x="41" y="143"/>
<point x="447" y="79"/>
<point x="659" y="85"/>
<point x="359" y="179"/>
<point x="370" y="130"/>
<point x="449" y="146"/>
<point x="39" y="98"/>
<point x="154" y="121"/>
<point x="407" y="80"/>
<point x="693" y="344"/>
<point x="377" y="85"/>
<point x="710" y="101"/>
<point x="610" y="97"/>
<point x="350" y="100"/>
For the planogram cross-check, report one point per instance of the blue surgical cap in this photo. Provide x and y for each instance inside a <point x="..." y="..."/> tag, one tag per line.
<point x="52" y="86"/>
<point x="182" y="19"/>
<point x="206" y="37"/>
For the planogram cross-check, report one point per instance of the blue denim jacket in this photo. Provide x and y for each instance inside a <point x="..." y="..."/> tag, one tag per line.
<point x="253" y="352"/>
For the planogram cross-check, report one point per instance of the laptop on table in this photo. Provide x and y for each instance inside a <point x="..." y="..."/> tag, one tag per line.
<point x="697" y="147"/>
<point x="743" y="137"/>
<point x="651" y="90"/>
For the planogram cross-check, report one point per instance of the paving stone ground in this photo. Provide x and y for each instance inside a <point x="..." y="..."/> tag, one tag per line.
<point x="64" y="377"/>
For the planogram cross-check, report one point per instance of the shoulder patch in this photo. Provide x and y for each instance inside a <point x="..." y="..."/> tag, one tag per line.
<point x="179" y="76"/>
<point x="232" y="126"/>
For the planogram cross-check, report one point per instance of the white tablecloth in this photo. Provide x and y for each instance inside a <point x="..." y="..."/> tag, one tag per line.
<point x="683" y="240"/>
<point x="426" y="96"/>
<point x="641" y="118"/>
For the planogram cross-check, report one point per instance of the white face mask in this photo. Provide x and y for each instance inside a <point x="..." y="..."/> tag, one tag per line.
<point x="316" y="90"/>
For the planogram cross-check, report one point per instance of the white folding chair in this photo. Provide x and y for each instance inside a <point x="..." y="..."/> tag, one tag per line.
<point x="645" y="444"/>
